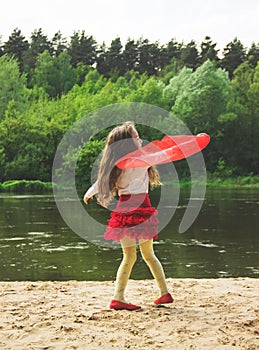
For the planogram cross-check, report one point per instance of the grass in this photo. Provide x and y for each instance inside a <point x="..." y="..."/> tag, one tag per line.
<point x="26" y="186"/>
<point x="38" y="187"/>
<point x="239" y="181"/>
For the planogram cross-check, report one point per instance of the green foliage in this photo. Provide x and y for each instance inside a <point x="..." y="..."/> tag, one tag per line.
<point x="139" y="55"/>
<point x="170" y="71"/>
<point x="222" y="171"/>
<point x="113" y="60"/>
<point x="242" y="133"/>
<point x="201" y="98"/>
<point x="176" y="86"/>
<point x="39" y="43"/>
<point x="25" y="186"/>
<point x="150" y="92"/>
<point x="54" y="74"/>
<point x="85" y="162"/>
<point x="67" y="81"/>
<point x="17" y="46"/>
<point x="253" y="54"/>
<point x="2" y="161"/>
<point x="189" y="56"/>
<point x="233" y="55"/>
<point x="130" y="55"/>
<point x="235" y="181"/>
<point x="59" y="44"/>
<point x="27" y="144"/>
<point x="208" y="51"/>
<point x="82" y="49"/>
<point x="13" y="84"/>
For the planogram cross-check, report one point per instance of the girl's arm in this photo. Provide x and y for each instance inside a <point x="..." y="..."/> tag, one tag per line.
<point x="91" y="192"/>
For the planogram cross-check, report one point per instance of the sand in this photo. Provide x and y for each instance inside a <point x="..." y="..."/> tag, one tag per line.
<point x="206" y="314"/>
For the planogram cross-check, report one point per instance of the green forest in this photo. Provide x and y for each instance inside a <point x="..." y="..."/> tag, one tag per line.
<point x="46" y="85"/>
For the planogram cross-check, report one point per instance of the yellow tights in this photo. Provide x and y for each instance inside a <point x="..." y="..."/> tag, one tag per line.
<point x="128" y="261"/>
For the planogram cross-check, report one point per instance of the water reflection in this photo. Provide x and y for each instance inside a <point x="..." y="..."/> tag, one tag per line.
<point x="35" y="243"/>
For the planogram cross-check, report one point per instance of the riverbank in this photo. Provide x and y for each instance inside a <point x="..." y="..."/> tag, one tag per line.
<point x="26" y="186"/>
<point x="40" y="187"/>
<point x="206" y="314"/>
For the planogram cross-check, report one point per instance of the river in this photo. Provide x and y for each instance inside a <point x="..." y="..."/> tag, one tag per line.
<point x="36" y="244"/>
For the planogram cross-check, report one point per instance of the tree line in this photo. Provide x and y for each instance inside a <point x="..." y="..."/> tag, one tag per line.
<point x="46" y="88"/>
<point x="115" y="60"/>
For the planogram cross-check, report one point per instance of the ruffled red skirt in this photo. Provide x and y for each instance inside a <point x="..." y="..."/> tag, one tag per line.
<point x="133" y="217"/>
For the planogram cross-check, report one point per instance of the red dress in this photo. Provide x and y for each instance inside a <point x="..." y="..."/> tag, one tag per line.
<point x="133" y="217"/>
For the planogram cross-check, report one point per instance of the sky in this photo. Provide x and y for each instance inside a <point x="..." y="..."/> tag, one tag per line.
<point x="162" y="20"/>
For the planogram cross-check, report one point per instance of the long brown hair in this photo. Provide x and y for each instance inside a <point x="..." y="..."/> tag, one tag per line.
<point x="109" y="174"/>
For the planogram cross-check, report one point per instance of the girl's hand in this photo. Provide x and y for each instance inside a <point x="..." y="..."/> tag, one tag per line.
<point x="86" y="199"/>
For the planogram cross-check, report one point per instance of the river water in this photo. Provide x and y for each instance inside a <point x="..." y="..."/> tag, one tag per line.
<point x="36" y="244"/>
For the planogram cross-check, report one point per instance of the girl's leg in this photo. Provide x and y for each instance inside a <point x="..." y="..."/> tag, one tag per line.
<point x="124" y="271"/>
<point x="146" y="248"/>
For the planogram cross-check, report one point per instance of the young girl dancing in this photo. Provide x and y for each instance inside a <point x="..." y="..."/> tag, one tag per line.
<point x="134" y="220"/>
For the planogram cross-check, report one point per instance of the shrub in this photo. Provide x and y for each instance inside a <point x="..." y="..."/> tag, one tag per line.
<point x="26" y="186"/>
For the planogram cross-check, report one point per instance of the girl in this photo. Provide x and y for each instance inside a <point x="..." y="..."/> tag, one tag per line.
<point x="134" y="220"/>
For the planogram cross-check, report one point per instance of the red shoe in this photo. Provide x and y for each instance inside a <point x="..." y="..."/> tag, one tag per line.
<point x="164" y="299"/>
<point x="119" y="305"/>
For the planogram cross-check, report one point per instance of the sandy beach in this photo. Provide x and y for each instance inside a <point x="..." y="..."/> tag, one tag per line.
<point x="207" y="314"/>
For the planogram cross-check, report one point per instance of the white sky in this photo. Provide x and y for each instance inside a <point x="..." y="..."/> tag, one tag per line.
<point x="162" y="20"/>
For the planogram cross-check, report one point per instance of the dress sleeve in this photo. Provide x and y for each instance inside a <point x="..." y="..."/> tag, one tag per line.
<point x="92" y="190"/>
